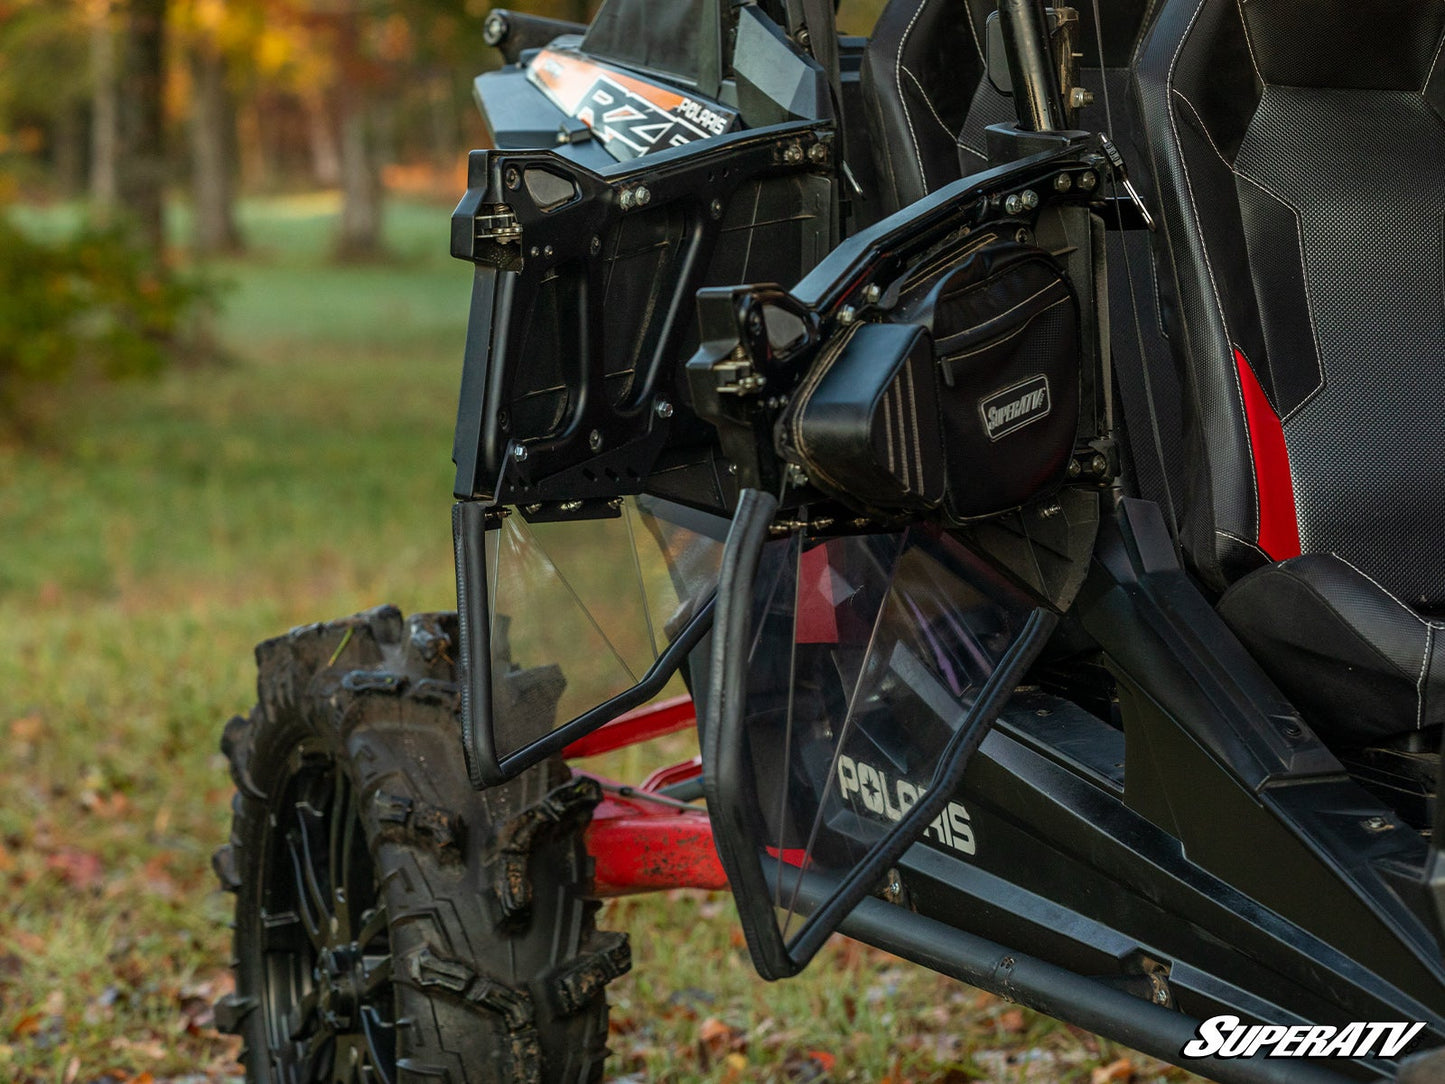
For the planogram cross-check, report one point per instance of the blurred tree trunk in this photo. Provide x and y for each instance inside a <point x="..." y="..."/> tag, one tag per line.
<point x="360" y="180"/>
<point x="361" y="191"/>
<point x="141" y="173"/>
<point x="104" y="109"/>
<point x="70" y="149"/>
<point x="321" y="129"/>
<point x="214" y="146"/>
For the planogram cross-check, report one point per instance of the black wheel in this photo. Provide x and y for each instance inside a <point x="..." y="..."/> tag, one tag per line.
<point x="392" y="924"/>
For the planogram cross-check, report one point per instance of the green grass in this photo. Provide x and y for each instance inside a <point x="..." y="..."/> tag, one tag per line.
<point x="155" y="534"/>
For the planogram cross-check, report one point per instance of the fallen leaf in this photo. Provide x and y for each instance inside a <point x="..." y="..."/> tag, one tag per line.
<point x="1011" y="1021"/>
<point x="27" y="728"/>
<point x="735" y="1067"/>
<point x="1116" y="1072"/>
<point x="77" y="868"/>
<point x="716" y="1039"/>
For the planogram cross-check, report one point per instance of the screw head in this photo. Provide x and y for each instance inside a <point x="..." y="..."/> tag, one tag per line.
<point x="1013" y="204"/>
<point x="594" y="440"/>
<point x="792" y="154"/>
<point x="818" y="153"/>
<point x="1063" y="182"/>
<point x="662" y="408"/>
<point x="595" y="246"/>
<point x="534" y="251"/>
<point x="1375" y="824"/>
<point x="519" y="452"/>
<point x="548" y="251"/>
<point x="642" y="197"/>
<point x="871" y="293"/>
<point x="847" y="315"/>
<point x="1080" y="97"/>
<point x="511" y="177"/>
<point x="1030" y="198"/>
<point x="1098" y="464"/>
<point x="715" y="208"/>
<point x="626" y="199"/>
<point x="1088" y="180"/>
<point x="562" y="137"/>
<point x="494" y="30"/>
<point x="1161" y="996"/>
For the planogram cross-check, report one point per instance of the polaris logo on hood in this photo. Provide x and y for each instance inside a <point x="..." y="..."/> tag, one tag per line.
<point x="1015" y="406"/>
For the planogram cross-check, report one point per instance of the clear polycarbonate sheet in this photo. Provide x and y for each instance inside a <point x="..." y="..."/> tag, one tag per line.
<point x="867" y="652"/>
<point x="580" y="610"/>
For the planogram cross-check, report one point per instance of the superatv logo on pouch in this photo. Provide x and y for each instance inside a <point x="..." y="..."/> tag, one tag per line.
<point x="1228" y="1037"/>
<point x="891" y="798"/>
<point x="1016" y="406"/>
<point x="630" y="116"/>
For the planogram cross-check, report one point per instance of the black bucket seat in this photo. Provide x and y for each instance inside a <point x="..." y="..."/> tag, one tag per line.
<point x="1300" y="156"/>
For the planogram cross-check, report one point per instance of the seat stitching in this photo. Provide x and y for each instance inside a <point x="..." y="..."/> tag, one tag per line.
<point x="928" y="102"/>
<point x="1199" y="229"/>
<point x="1248" y="44"/>
<point x="1309" y="292"/>
<point x="1246" y="542"/>
<point x="1394" y="597"/>
<point x="898" y="81"/>
<point x="1435" y="60"/>
<point x="1420" y="685"/>
<point x="973" y="32"/>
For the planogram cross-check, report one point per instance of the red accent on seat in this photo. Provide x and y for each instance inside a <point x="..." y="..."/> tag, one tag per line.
<point x="1278" y="525"/>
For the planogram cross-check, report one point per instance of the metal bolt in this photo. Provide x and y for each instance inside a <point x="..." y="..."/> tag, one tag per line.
<point x="626" y="199"/>
<point x="792" y="154"/>
<point x="1088" y="180"/>
<point x="715" y="208"/>
<point x="662" y="408"/>
<point x="494" y="30"/>
<point x="797" y="476"/>
<point x="594" y="440"/>
<point x="642" y="196"/>
<point x="1014" y="203"/>
<point x="818" y="153"/>
<point x="1161" y="995"/>
<point x="596" y="245"/>
<point x="847" y="315"/>
<point x="534" y="251"/>
<point x="871" y="293"/>
<point x="519" y="452"/>
<point x="893" y="886"/>
<point x="511" y="178"/>
<point x="547" y="251"/>
<point x="1080" y="97"/>
<point x="1030" y="198"/>
<point x="569" y="506"/>
<point x="532" y="509"/>
<point x="1075" y="469"/>
<point x="1376" y="824"/>
<point x="1022" y="236"/>
<point x="562" y="137"/>
<point x="1063" y="182"/>
<point x="1098" y="464"/>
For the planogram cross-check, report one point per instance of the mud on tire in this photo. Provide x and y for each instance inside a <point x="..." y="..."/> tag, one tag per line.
<point x="392" y="924"/>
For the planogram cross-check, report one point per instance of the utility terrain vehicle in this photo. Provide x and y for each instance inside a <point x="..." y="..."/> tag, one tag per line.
<point x="1013" y="439"/>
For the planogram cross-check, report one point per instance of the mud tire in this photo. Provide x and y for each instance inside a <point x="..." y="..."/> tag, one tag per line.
<point x="473" y="956"/>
